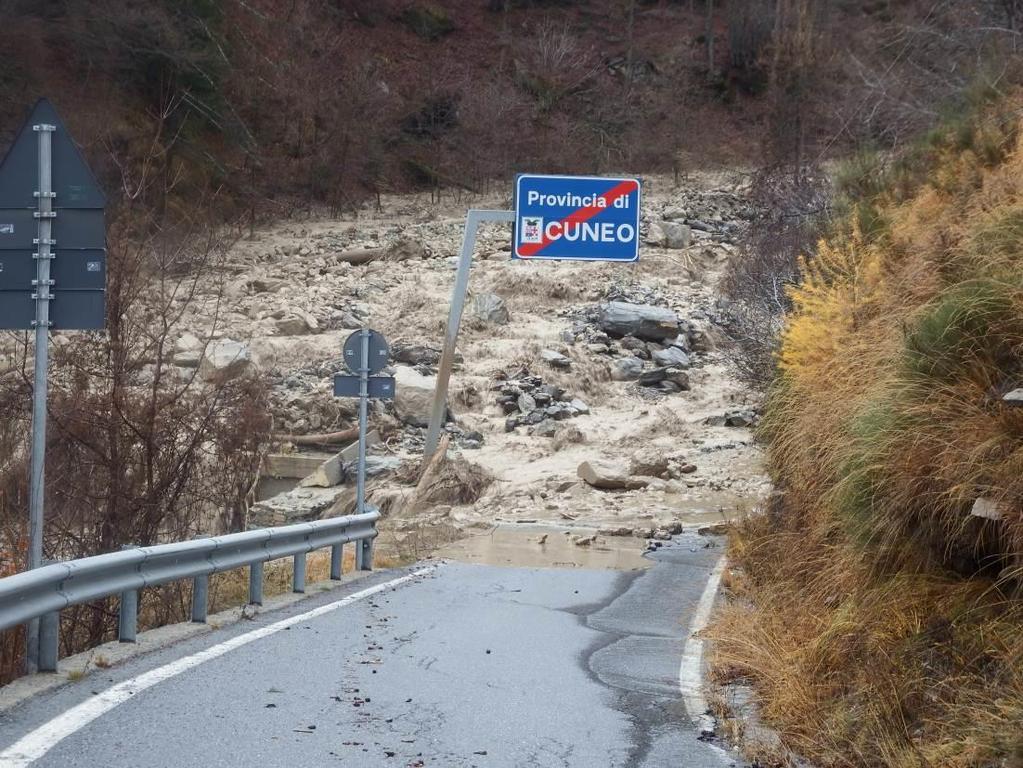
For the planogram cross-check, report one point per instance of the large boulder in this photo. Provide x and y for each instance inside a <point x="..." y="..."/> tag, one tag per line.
<point x="644" y="321"/>
<point x="225" y="359"/>
<point x="413" y="396"/>
<point x="490" y="308"/>
<point x="608" y="476"/>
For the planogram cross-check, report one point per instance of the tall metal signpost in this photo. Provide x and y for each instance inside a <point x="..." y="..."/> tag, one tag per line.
<point x="365" y="354"/>
<point x="556" y="218"/>
<point x="52" y="273"/>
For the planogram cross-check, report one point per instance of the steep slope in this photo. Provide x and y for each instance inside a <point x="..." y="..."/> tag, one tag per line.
<point x="877" y="602"/>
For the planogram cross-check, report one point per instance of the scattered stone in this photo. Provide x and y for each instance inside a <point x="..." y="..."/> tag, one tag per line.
<point x="740" y="419"/>
<point x="677" y="377"/>
<point x="1014" y="398"/>
<point x="622" y="531"/>
<point x="652" y="377"/>
<point x="676" y="236"/>
<point x="626" y="369"/>
<point x="556" y="359"/>
<point x="619" y="318"/>
<point x="297" y="324"/>
<point x="579" y="406"/>
<point x="989" y="509"/>
<point x="655" y="235"/>
<point x="490" y="308"/>
<point x="584" y="541"/>
<point x="406" y="249"/>
<point x="415" y="354"/>
<point x="546" y="428"/>
<point x="649" y="461"/>
<point x="225" y="359"/>
<point x="607" y="476"/>
<point x="526" y="403"/>
<point x="672" y="357"/>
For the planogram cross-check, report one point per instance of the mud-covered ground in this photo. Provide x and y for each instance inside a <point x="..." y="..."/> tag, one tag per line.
<point x="293" y="299"/>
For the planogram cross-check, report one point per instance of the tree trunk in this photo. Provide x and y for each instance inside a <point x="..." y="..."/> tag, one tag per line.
<point x="710" y="39"/>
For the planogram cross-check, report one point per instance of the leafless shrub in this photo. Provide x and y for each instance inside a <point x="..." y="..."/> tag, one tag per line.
<point x="792" y="216"/>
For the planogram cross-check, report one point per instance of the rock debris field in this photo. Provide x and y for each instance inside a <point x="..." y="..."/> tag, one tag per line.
<point x="591" y="397"/>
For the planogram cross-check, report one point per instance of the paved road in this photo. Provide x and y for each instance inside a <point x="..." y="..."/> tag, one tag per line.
<point x="462" y="665"/>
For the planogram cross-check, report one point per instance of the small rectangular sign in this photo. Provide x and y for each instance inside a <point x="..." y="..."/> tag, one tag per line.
<point x="70" y="270"/>
<point x="69" y="310"/>
<point x="584" y="218"/>
<point x="380" y="387"/>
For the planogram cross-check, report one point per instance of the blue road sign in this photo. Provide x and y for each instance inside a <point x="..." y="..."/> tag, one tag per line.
<point x="586" y="218"/>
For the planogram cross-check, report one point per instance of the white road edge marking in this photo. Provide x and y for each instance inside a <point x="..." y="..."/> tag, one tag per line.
<point x="690" y="672"/>
<point x="37" y="743"/>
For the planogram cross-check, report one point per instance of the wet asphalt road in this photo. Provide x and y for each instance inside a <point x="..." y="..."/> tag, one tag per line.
<point x="467" y="665"/>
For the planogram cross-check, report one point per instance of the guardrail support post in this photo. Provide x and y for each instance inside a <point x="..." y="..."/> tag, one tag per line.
<point x="256" y="583"/>
<point x="49" y="635"/>
<point x="128" y="618"/>
<point x="298" y="580"/>
<point x="364" y="554"/>
<point x="200" y="597"/>
<point x="337" y="554"/>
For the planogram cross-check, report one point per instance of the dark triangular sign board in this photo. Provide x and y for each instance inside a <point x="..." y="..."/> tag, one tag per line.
<point x="73" y="182"/>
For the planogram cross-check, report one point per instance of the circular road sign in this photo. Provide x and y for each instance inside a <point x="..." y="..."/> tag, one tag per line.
<point x="378" y="351"/>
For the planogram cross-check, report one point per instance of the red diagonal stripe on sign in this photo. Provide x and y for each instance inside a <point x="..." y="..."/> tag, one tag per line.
<point x="621" y="189"/>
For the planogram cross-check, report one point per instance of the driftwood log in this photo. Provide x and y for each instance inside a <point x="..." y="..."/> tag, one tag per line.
<point x="327" y="438"/>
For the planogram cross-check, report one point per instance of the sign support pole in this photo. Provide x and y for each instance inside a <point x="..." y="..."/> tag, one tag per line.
<point x="473" y="220"/>
<point x="360" y="479"/>
<point x="42" y="284"/>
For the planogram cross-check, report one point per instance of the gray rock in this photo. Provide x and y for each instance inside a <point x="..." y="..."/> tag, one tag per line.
<point x="297" y="324"/>
<point x="607" y="476"/>
<point x="739" y="419"/>
<point x="405" y="249"/>
<point x="378" y="465"/>
<point x="490" y="308"/>
<point x="672" y="357"/>
<point x="579" y="406"/>
<point x="626" y="369"/>
<point x="652" y="462"/>
<point x="510" y="424"/>
<point x="681" y="342"/>
<point x="526" y="403"/>
<point x="644" y="321"/>
<point x="655" y="235"/>
<point x="546" y="428"/>
<point x="415" y="354"/>
<point x="225" y="359"/>
<point x="676" y="235"/>
<point x="678" y="377"/>
<point x="413" y="396"/>
<point x="556" y="359"/>
<point x="653" y="377"/>
<point x="1014" y="398"/>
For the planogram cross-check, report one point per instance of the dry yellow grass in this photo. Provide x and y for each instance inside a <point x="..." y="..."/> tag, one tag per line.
<point x="880" y="622"/>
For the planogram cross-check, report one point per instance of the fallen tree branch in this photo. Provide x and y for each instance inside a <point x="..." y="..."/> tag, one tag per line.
<point x="362" y="255"/>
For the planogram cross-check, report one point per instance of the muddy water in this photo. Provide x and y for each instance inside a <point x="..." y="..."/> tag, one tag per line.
<point x="548" y="547"/>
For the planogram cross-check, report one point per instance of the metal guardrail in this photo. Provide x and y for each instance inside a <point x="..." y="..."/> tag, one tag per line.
<point x="42" y="592"/>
